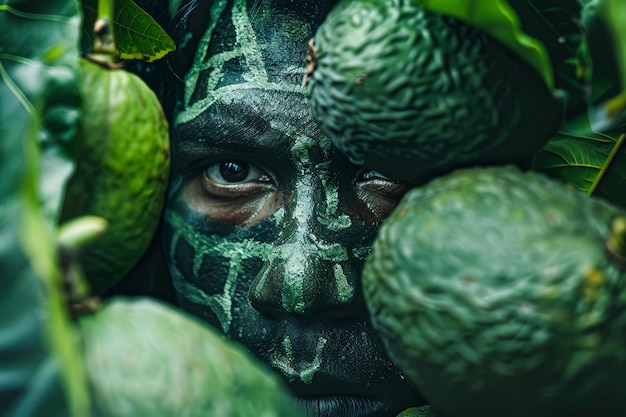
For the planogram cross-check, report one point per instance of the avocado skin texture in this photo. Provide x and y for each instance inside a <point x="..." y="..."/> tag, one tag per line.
<point x="122" y="167"/>
<point x="494" y="293"/>
<point x="144" y="358"/>
<point x="413" y="94"/>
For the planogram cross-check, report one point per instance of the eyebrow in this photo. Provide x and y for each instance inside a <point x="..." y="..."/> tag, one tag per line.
<point x="239" y="128"/>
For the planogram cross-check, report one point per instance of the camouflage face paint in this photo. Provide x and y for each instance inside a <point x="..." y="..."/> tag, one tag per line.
<point x="282" y="360"/>
<point x="312" y="209"/>
<point x="274" y="259"/>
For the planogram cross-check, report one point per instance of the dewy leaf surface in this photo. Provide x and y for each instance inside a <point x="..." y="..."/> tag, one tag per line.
<point x="592" y="162"/>
<point x="498" y="19"/>
<point x="137" y="34"/>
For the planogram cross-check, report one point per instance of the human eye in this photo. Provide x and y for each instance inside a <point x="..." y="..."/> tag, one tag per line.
<point x="380" y="194"/>
<point x="378" y="183"/>
<point x="232" y="178"/>
<point x="234" y="171"/>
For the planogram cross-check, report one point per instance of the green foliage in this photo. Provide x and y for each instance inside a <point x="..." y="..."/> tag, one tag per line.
<point x="137" y="34"/>
<point x="23" y="351"/>
<point x="38" y="54"/>
<point x="588" y="151"/>
<point x="610" y="113"/>
<point x="592" y="162"/>
<point x="614" y="12"/>
<point x="556" y="24"/>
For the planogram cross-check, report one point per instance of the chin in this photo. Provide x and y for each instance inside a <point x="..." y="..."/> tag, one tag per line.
<point x="350" y="376"/>
<point x="350" y="406"/>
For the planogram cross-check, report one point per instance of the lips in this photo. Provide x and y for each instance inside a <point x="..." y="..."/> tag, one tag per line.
<point x="332" y="370"/>
<point x="329" y="396"/>
<point x="348" y="406"/>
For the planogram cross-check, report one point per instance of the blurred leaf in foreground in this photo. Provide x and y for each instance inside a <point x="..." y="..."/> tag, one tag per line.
<point x="137" y="34"/>
<point x="40" y="373"/>
<point x="29" y="377"/>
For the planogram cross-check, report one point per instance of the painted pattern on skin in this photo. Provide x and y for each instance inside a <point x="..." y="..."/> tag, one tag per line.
<point x="284" y="361"/>
<point x="248" y="52"/>
<point x="293" y="254"/>
<point x="255" y="74"/>
<point x="286" y="284"/>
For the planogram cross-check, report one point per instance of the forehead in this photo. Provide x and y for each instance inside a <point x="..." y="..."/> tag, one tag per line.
<point x="250" y="120"/>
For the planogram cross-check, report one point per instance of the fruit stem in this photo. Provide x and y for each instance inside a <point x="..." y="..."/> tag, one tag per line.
<point x="616" y="242"/>
<point x="104" y="43"/>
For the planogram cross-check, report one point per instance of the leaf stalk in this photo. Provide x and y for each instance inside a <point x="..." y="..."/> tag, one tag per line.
<point x="607" y="163"/>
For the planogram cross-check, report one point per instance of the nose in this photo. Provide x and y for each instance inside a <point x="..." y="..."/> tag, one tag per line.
<point x="310" y="272"/>
<point x="305" y="279"/>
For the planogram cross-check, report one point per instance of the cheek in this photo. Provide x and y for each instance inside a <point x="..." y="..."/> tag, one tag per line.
<point x="212" y="265"/>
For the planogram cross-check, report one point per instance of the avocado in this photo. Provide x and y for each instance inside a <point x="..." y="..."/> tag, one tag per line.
<point x="411" y="93"/>
<point x="145" y="358"/>
<point x="503" y="293"/>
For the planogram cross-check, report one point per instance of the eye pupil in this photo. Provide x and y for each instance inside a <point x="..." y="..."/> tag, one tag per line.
<point x="234" y="171"/>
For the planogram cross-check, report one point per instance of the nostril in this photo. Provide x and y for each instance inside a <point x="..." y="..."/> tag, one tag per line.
<point x="268" y="309"/>
<point x="307" y="285"/>
<point x="265" y="293"/>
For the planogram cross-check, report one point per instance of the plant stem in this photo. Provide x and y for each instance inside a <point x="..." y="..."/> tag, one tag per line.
<point x="105" y="9"/>
<point x="104" y="44"/>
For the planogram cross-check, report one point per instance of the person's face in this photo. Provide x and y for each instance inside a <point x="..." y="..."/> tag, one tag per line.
<point x="267" y="227"/>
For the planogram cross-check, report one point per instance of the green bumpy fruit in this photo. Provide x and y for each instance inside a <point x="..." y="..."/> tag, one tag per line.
<point x="144" y="358"/>
<point x="122" y="168"/>
<point x="497" y="295"/>
<point x="411" y="93"/>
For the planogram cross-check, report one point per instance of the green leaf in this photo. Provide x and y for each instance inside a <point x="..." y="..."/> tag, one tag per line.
<point x="610" y="113"/>
<point x="614" y="13"/>
<point x="23" y="350"/>
<point x="39" y="113"/>
<point x="557" y="25"/>
<point x="498" y="19"/>
<point x="38" y="56"/>
<point x="137" y="34"/>
<point x="592" y="162"/>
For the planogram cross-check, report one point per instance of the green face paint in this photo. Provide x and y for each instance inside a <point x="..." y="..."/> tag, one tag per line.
<point x="267" y="226"/>
<point x="312" y="214"/>
<point x="282" y="360"/>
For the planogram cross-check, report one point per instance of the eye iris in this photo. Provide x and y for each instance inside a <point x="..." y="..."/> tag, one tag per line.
<point x="234" y="171"/>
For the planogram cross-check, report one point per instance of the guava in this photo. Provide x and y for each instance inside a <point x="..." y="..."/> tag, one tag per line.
<point x="122" y="168"/>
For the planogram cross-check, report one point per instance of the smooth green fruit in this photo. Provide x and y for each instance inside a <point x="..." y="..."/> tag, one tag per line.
<point x="411" y="93"/>
<point x="122" y="167"/>
<point x="147" y="359"/>
<point x="502" y="293"/>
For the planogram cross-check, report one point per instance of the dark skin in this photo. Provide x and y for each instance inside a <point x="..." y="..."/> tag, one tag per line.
<point x="279" y="267"/>
<point x="267" y="225"/>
